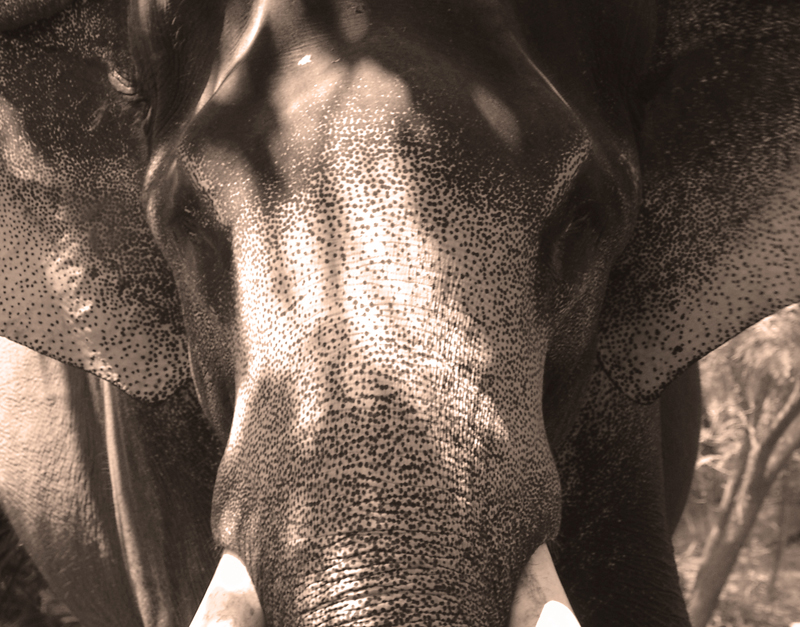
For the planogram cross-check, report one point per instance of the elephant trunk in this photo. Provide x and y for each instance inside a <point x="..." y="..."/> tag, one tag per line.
<point x="231" y="598"/>
<point x="387" y="462"/>
<point x="378" y="477"/>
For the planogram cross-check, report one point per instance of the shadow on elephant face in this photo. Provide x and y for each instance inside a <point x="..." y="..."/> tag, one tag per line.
<point x="391" y="242"/>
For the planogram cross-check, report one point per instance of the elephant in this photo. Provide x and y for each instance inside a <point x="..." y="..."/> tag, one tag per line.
<point x="362" y="310"/>
<point x="110" y="502"/>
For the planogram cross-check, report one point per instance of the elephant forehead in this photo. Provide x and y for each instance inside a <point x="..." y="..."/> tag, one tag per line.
<point x="363" y="134"/>
<point x="380" y="185"/>
<point x="375" y="209"/>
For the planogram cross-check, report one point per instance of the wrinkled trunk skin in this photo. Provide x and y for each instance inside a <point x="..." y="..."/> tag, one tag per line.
<point x="389" y="475"/>
<point x="387" y="458"/>
<point x="381" y="498"/>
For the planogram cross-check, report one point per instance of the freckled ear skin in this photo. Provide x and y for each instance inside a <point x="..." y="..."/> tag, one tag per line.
<point x="81" y="279"/>
<point x="715" y="249"/>
<point x="716" y="246"/>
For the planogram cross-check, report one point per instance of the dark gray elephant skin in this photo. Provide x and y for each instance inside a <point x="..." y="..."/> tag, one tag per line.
<point x="110" y="496"/>
<point x="428" y="267"/>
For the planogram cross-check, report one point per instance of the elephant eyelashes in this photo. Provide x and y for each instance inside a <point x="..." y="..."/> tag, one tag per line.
<point x="184" y="213"/>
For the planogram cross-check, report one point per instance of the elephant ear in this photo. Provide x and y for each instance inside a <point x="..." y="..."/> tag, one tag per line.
<point x="81" y="279"/>
<point x="717" y="246"/>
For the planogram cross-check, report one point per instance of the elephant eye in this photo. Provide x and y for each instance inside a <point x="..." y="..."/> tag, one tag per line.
<point x="184" y="221"/>
<point x="190" y="219"/>
<point x="580" y="238"/>
<point x="571" y="252"/>
<point x="571" y="240"/>
<point x="131" y="91"/>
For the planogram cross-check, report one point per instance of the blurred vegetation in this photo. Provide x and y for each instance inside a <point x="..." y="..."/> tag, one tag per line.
<point x="746" y="600"/>
<point x="735" y="540"/>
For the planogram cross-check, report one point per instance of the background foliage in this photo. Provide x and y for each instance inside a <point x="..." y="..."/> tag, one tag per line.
<point x="745" y="500"/>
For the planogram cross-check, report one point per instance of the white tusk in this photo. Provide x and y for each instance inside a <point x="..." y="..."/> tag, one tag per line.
<point x="540" y="599"/>
<point x="555" y="614"/>
<point x="231" y="599"/>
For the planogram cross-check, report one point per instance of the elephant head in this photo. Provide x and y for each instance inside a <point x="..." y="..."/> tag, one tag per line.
<point x="389" y="242"/>
<point x="371" y="276"/>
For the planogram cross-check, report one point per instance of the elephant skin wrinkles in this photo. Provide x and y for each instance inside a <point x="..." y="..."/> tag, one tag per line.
<point x="68" y="489"/>
<point x="419" y="259"/>
<point x="386" y="477"/>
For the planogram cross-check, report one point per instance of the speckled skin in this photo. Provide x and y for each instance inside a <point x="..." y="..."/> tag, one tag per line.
<point x="720" y="152"/>
<point x="390" y="227"/>
<point x="82" y="278"/>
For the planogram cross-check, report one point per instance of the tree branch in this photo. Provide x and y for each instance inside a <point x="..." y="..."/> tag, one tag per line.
<point x="784" y="449"/>
<point x="785" y="418"/>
